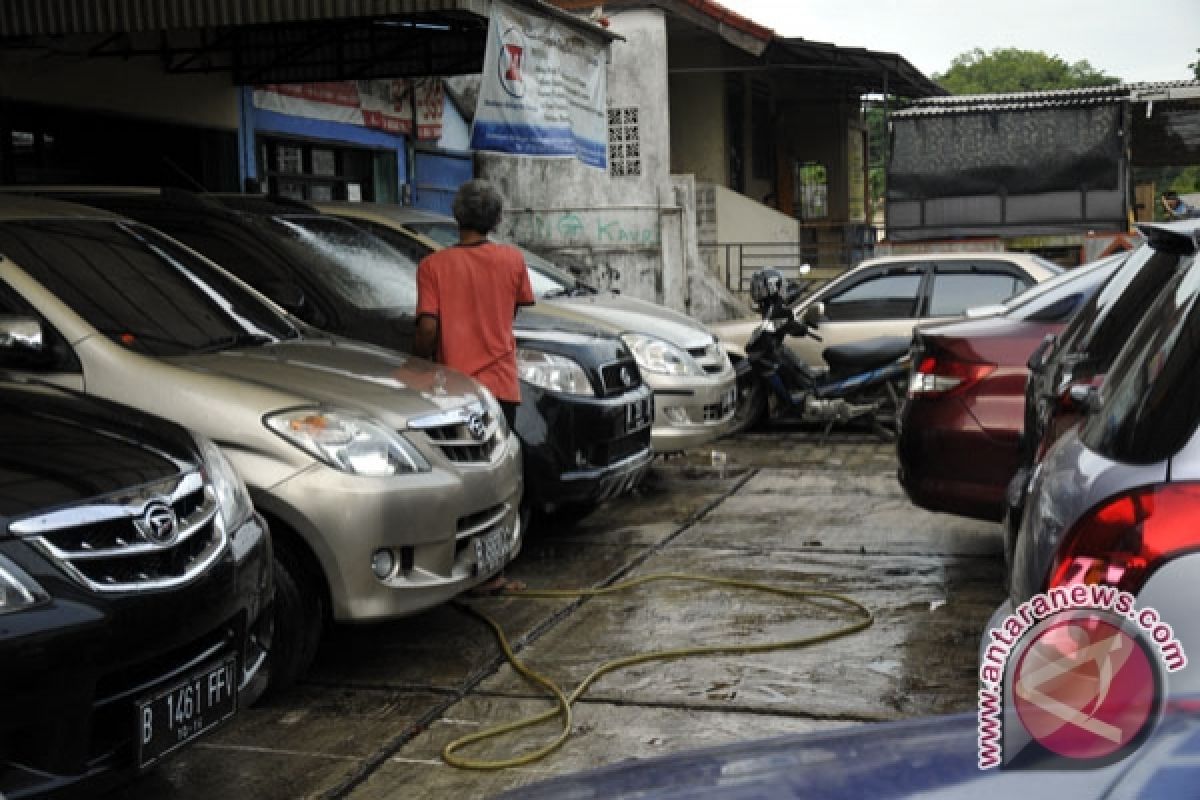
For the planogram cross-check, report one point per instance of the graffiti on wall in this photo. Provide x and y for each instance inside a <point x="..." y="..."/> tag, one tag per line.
<point x="601" y="229"/>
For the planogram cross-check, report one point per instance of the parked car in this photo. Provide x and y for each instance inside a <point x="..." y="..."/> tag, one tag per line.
<point x="1116" y="499"/>
<point x="889" y="296"/>
<point x="132" y="569"/>
<point x="922" y="759"/>
<point x="961" y="424"/>
<point x="1081" y="355"/>
<point x="584" y="420"/>
<point x="391" y="484"/>
<point x="694" y="384"/>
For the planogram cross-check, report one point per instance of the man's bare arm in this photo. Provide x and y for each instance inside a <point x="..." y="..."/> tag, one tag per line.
<point x="425" y="341"/>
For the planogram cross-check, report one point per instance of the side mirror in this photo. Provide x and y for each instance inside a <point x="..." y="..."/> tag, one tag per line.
<point x="814" y="314"/>
<point x="21" y="335"/>
<point x="1082" y="398"/>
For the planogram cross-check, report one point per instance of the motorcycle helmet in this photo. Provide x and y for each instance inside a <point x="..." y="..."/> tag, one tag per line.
<point x="765" y="285"/>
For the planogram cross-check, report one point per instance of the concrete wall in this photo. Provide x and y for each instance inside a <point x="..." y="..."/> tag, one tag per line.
<point x="609" y="229"/>
<point x="137" y="87"/>
<point x="698" y="127"/>
<point x="740" y="219"/>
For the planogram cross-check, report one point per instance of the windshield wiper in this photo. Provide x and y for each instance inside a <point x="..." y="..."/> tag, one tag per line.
<point x="234" y="340"/>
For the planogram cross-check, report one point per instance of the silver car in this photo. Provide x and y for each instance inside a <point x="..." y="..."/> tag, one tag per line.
<point x="391" y="484"/>
<point x="1116" y="500"/>
<point x="695" y="387"/>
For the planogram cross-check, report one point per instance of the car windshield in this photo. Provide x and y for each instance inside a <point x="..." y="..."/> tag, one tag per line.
<point x="1152" y="395"/>
<point x="360" y="267"/>
<point x="1057" y="299"/>
<point x="140" y="288"/>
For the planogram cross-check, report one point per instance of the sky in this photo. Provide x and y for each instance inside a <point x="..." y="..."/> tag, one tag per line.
<point x="1147" y="41"/>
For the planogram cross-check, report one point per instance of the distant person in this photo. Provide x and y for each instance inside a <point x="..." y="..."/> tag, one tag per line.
<point x="467" y="296"/>
<point x="1175" y="207"/>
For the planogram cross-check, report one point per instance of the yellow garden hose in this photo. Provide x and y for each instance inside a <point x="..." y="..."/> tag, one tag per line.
<point x="564" y="702"/>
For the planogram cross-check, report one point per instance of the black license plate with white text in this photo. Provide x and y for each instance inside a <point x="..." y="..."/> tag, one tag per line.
<point x="193" y="706"/>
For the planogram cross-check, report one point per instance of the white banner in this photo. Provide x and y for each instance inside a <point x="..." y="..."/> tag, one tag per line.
<point x="385" y="105"/>
<point x="544" y="90"/>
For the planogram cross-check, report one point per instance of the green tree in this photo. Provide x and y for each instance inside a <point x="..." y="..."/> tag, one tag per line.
<point x="1195" y="66"/>
<point x="1011" y="70"/>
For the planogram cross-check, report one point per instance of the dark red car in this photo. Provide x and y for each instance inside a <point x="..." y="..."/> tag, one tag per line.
<point x="961" y="424"/>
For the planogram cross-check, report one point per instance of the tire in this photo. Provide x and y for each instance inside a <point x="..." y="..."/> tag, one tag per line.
<point x="751" y="404"/>
<point x="299" y="615"/>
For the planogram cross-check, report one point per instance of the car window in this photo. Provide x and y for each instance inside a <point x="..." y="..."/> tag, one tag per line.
<point x="1151" y="399"/>
<point x="140" y="288"/>
<point x="955" y="292"/>
<point x="1104" y="323"/>
<point x="397" y="239"/>
<point x="444" y="233"/>
<point x="880" y="297"/>
<point x="1093" y="273"/>
<point x="361" y="268"/>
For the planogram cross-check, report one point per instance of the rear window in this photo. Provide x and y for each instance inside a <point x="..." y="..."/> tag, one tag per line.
<point x="1151" y="398"/>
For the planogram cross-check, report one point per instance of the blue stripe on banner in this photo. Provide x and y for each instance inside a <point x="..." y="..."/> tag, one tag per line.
<point x="535" y="140"/>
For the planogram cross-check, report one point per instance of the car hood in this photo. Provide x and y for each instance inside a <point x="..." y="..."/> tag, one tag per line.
<point x="631" y="315"/>
<point x="931" y="759"/>
<point x="341" y="373"/>
<point x="551" y="318"/>
<point x="60" y="449"/>
<point x="978" y="327"/>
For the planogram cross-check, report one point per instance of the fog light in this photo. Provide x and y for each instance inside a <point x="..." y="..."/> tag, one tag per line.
<point x="383" y="564"/>
<point x="677" y="415"/>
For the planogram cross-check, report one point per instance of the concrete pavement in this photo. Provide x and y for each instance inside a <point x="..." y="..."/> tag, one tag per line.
<point x="370" y="720"/>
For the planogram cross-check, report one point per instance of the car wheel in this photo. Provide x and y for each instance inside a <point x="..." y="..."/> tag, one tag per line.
<point x="751" y="403"/>
<point x="299" y="616"/>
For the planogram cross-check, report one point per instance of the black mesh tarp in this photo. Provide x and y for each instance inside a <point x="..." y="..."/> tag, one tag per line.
<point x="1010" y="151"/>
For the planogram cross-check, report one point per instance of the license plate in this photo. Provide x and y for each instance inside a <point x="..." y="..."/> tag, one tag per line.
<point x="490" y="551"/>
<point x="638" y="415"/>
<point x="195" y="705"/>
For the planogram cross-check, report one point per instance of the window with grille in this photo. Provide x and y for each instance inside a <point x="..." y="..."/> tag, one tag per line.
<point x="624" y="143"/>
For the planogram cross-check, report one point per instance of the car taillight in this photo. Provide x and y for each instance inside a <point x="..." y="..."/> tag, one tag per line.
<point x="1120" y="542"/>
<point x="936" y="376"/>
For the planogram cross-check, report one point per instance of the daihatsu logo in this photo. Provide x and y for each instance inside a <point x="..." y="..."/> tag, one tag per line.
<point x="477" y="427"/>
<point x="158" y="524"/>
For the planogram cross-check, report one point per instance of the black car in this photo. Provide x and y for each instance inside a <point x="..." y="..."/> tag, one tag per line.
<point x="585" y="415"/>
<point x="1083" y="353"/>
<point x="135" y="591"/>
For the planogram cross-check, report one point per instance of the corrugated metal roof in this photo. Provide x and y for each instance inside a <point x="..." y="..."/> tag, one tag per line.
<point x="1056" y="98"/>
<point x="24" y="18"/>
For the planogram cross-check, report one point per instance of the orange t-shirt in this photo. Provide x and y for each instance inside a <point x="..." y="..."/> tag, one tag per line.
<point x="474" y="290"/>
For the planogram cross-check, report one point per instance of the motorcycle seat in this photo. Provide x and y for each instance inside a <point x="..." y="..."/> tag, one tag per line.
<point x="868" y="354"/>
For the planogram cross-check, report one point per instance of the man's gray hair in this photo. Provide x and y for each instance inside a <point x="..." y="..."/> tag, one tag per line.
<point x="478" y="206"/>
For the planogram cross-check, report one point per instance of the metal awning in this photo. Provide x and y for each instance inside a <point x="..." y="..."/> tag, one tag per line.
<point x="272" y="41"/>
<point x="858" y="70"/>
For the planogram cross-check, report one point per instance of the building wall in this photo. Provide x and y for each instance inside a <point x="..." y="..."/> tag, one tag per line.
<point x="609" y="229"/>
<point x="698" y="127"/>
<point x="137" y="87"/>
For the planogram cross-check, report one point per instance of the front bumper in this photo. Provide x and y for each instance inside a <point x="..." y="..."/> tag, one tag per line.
<point x="77" y="666"/>
<point x="429" y="522"/>
<point x="583" y="450"/>
<point x="691" y="412"/>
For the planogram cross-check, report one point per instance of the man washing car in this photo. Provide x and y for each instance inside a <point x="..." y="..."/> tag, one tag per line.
<point x="467" y="296"/>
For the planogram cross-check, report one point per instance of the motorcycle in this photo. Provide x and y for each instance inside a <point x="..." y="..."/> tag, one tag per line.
<point x="864" y="383"/>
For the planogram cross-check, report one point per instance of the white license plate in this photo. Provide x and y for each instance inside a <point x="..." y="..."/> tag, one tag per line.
<point x="175" y="716"/>
<point x="491" y="550"/>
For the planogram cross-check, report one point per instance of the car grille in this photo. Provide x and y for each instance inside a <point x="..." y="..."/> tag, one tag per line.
<point x="451" y="433"/>
<point x="111" y="546"/>
<point x="712" y="413"/>
<point x="619" y="377"/>
<point x="614" y="452"/>
<point x="711" y="358"/>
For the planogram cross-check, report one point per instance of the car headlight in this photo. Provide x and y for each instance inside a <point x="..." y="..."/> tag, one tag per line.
<point x="233" y="501"/>
<point x="553" y="372"/>
<point x="18" y="591"/>
<point x="655" y="355"/>
<point x="492" y="405"/>
<point x="348" y="442"/>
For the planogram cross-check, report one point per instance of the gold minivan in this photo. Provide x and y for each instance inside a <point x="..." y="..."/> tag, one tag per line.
<point x="391" y="484"/>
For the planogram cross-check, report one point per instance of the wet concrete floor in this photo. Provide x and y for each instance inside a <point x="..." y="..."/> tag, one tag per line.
<point x="371" y="718"/>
